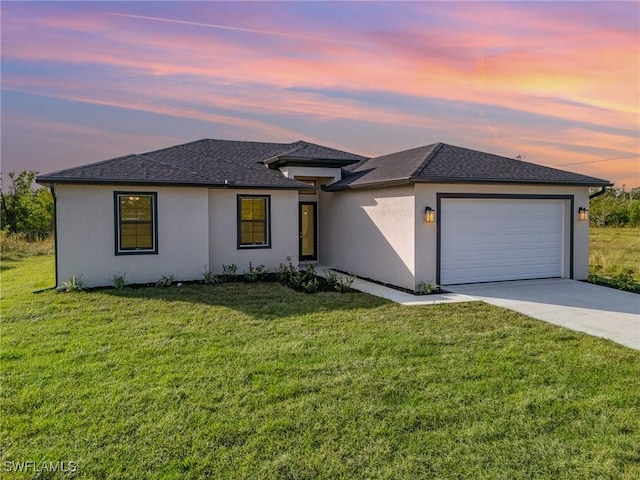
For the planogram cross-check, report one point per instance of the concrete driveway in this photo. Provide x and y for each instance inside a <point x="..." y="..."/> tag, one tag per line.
<point x="599" y="311"/>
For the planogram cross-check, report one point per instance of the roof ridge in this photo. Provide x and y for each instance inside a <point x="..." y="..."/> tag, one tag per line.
<point x="428" y="157"/>
<point x="311" y="144"/>
<point x="280" y="154"/>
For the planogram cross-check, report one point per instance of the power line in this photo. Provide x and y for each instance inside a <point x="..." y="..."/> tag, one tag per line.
<point x="595" y="161"/>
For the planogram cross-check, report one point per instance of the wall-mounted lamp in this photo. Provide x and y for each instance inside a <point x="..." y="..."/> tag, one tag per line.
<point x="583" y="213"/>
<point x="429" y="215"/>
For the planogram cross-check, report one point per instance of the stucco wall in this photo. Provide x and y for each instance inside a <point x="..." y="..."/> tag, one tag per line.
<point x="86" y="235"/>
<point x="426" y="233"/>
<point x="223" y="248"/>
<point x="370" y="232"/>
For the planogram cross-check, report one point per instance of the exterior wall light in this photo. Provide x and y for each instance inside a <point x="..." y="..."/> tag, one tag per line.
<point x="583" y="213"/>
<point x="429" y="215"/>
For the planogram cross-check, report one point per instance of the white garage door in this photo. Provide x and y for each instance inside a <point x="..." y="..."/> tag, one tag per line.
<point x="487" y="240"/>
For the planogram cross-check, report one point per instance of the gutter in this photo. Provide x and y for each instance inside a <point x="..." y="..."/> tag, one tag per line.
<point x="441" y="180"/>
<point x="46" y="181"/>
<point x="598" y="193"/>
<point x="52" y="187"/>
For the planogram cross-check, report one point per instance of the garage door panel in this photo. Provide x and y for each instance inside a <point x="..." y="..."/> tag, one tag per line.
<point x="485" y="240"/>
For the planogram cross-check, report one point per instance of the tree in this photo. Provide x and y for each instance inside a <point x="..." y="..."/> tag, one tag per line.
<point x="26" y="209"/>
<point x="616" y="208"/>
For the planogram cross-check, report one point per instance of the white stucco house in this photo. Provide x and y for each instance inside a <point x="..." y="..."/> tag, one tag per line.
<point x="437" y="213"/>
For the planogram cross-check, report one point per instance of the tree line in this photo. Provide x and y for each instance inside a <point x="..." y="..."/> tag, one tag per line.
<point x="28" y="209"/>
<point x="616" y="208"/>
<point x="25" y="208"/>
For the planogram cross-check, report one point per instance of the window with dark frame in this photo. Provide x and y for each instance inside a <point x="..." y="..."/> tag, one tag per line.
<point x="253" y="221"/>
<point x="136" y="222"/>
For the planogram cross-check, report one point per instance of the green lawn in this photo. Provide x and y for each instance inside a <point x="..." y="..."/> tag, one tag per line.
<point x="257" y="381"/>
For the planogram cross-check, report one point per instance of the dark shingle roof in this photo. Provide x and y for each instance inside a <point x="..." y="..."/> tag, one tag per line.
<point x="442" y="163"/>
<point x="245" y="164"/>
<point x="204" y="162"/>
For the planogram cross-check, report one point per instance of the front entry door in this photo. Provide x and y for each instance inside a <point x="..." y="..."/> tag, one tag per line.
<point x="308" y="219"/>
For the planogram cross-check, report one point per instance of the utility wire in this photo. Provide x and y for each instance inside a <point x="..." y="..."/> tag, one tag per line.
<point x="595" y="161"/>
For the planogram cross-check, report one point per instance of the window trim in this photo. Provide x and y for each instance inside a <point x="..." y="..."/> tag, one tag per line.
<point x="239" y="220"/>
<point x="154" y="220"/>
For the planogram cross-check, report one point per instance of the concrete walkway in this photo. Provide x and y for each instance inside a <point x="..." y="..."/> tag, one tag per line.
<point x="397" y="295"/>
<point x="596" y="310"/>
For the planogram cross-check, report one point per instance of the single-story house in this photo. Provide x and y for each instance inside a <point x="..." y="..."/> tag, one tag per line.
<point x="438" y="213"/>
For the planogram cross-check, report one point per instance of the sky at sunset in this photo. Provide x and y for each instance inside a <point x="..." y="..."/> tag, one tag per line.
<point x="557" y="83"/>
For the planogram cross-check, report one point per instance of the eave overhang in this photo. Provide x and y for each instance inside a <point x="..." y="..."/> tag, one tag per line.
<point x="293" y="161"/>
<point x="485" y="181"/>
<point x="47" y="181"/>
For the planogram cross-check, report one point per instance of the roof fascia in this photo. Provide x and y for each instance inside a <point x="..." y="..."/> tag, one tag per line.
<point x="285" y="161"/>
<point x="393" y="183"/>
<point x="499" y="181"/>
<point x="46" y="181"/>
<point x="383" y="183"/>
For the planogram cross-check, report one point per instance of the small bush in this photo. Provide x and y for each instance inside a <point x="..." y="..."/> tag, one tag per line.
<point x="338" y="282"/>
<point x="624" y="280"/>
<point x="119" y="281"/>
<point x="427" y="288"/>
<point x="209" y="278"/>
<point x="305" y="280"/>
<point x="311" y="286"/>
<point x="255" y="274"/>
<point x="286" y="274"/>
<point x="230" y="272"/>
<point x="166" y="281"/>
<point x="74" y="284"/>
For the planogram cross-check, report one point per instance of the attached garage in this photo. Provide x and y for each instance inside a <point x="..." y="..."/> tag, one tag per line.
<point x="476" y="217"/>
<point x="484" y="239"/>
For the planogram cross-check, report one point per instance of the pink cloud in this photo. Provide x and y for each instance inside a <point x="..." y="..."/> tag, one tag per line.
<point x="535" y="63"/>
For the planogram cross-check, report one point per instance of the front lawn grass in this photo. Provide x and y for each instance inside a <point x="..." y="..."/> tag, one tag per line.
<point x="259" y="381"/>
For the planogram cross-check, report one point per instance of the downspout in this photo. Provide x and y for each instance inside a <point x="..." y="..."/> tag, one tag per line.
<point x="598" y="193"/>
<point x="52" y="187"/>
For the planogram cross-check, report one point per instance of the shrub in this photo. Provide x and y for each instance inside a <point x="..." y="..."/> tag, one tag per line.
<point x="427" y="288"/>
<point x="119" y="281"/>
<point x="311" y="286"/>
<point x="286" y="274"/>
<point x="230" y="272"/>
<point x="209" y="278"/>
<point x="338" y="282"/>
<point x="624" y="280"/>
<point x="165" y="281"/>
<point x="255" y="274"/>
<point x="74" y="284"/>
<point x="305" y="280"/>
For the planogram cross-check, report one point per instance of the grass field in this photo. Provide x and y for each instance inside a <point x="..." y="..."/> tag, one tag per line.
<point x="258" y="381"/>
<point x="614" y="257"/>
<point x="615" y="249"/>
